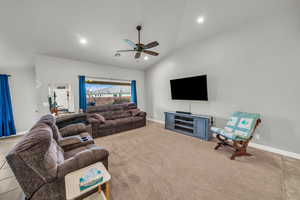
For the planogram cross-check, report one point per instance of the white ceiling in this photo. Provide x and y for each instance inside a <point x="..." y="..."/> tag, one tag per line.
<point x="52" y="27"/>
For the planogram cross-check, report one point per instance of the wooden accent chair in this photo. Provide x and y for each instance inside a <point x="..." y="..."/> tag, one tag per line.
<point x="239" y="129"/>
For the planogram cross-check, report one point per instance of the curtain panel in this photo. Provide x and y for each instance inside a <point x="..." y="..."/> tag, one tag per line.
<point x="7" y="124"/>
<point x="133" y="92"/>
<point x="82" y="94"/>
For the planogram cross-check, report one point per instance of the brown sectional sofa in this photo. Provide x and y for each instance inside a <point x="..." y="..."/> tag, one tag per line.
<point x="117" y="118"/>
<point x="40" y="163"/>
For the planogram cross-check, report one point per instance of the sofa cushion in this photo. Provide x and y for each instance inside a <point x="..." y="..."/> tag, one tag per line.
<point x="50" y="120"/>
<point x="106" y="114"/>
<point x="71" y="119"/>
<point x="73" y="129"/>
<point x="122" y="121"/>
<point x="53" y="157"/>
<point x="40" y="151"/>
<point x="107" y="124"/>
<point x="96" y="118"/>
<point x="119" y="114"/>
<point x="116" y="107"/>
<point x="98" y="109"/>
<point x="130" y="106"/>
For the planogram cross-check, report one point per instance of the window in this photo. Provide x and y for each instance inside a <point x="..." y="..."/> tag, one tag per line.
<point x="105" y="92"/>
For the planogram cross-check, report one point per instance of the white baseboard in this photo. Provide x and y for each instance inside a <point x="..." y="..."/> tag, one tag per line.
<point x="12" y="136"/>
<point x="155" y="120"/>
<point x="255" y="145"/>
<point x="275" y="150"/>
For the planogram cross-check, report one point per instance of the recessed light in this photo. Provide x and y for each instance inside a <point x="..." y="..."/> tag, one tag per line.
<point x="146" y="58"/>
<point x="200" y="20"/>
<point x="83" y="41"/>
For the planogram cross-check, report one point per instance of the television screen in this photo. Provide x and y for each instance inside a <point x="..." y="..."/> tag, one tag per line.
<point x="191" y="88"/>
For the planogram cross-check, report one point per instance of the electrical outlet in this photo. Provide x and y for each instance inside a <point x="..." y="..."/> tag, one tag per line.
<point x="257" y="136"/>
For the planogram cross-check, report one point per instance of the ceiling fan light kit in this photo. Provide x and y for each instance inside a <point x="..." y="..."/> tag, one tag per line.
<point x="139" y="47"/>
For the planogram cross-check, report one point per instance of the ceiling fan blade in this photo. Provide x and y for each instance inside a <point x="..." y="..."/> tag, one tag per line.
<point x="137" y="55"/>
<point x="152" y="53"/>
<point x="151" y="45"/>
<point x="125" y="50"/>
<point x="131" y="43"/>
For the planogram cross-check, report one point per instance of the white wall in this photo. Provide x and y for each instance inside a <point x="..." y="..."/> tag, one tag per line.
<point x="23" y="93"/>
<point x="51" y="70"/>
<point x="254" y="68"/>
<point x="29" y="85"/>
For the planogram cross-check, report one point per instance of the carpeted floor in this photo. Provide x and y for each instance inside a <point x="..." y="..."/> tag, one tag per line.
<point x="152" y="163"/>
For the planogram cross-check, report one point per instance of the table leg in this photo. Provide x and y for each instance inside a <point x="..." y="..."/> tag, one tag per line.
<point x="99" y="189"/>
<point x="107" y="191"/>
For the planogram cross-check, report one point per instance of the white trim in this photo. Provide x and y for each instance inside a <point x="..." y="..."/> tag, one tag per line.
<point x="22" y="133"/>
<point x="12" y="136"/>
<point x="275" y="150"/>
<point x="155" y="120"/>
<point x="255" y="145"/>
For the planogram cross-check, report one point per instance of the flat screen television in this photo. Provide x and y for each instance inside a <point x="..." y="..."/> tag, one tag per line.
<point x="190" y="88"/>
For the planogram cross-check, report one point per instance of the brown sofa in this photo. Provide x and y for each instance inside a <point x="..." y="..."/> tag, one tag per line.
<point x="40" y="164"/>
<point x="117" y="118"/>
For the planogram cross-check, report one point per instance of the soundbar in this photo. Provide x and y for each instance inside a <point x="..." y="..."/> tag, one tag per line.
<point x="182" y="112"/>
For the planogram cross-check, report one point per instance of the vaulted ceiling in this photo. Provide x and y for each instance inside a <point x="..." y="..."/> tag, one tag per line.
<point x="53" y="27"/>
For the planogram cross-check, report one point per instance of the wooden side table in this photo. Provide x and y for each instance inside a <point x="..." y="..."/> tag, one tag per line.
<point x="72" y="182"/>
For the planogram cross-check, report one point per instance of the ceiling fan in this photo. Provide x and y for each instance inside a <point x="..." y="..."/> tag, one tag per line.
<point x="139" y="47"/>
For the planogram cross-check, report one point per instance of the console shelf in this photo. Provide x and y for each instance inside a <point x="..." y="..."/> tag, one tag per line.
<point x="189" y="124"/>
<point x="183" y="126"/>
<point x="184" y="121"/>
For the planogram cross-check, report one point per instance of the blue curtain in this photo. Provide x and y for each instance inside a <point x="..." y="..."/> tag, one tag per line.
<point x="7" y="124"/>
<point x="133" y="92"/>
<point x="82" y="93"/>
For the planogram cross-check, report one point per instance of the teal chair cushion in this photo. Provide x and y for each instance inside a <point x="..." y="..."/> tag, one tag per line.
<point x="240" y="126"/>
<point x="224" y="133"/>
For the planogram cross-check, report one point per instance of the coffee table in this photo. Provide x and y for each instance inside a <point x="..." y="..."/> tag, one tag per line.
<point x="72" y="182"/>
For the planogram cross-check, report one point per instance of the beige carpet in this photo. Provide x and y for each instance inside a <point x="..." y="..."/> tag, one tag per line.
<point x="152" y="163"/>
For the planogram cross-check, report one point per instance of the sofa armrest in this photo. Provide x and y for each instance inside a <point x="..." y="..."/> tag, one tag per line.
<point x="138" y="112"/>
<point x="72" y="142"/>
<point x="67" y="141"/>
<point x="73" y="129"/>
<point x="142" y="114"/>
<point x="81" y="160"/>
